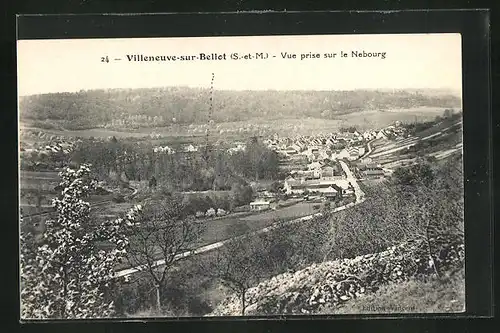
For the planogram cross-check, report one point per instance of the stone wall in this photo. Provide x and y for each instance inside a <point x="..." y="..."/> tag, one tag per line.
<point x="335" y="282"/>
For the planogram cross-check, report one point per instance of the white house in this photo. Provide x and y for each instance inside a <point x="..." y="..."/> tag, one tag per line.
<point x="342" y="154"/>
<point x="320" y="186"/>
<point x="259" y="205"/>
<point x="190" y="148"/>
<point x="382" y="135"/>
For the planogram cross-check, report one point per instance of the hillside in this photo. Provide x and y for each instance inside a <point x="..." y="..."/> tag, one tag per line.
<point x="436" y="295"/>
<point x="136" y="108"/>
<point x="328" y="286"/>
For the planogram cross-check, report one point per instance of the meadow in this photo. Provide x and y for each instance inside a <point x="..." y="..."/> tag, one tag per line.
<point x="220" y="229"/>
<point x="376" y="119"/>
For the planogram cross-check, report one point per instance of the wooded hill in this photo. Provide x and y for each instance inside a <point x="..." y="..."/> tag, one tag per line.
<point x="151" y="107"/>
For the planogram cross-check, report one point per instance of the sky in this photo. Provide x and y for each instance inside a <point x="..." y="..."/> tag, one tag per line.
<point x="417" y="61"/>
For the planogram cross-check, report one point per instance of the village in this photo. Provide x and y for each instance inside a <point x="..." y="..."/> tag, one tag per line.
<point x="314" y="167"/>
<point x="317" y="167"/>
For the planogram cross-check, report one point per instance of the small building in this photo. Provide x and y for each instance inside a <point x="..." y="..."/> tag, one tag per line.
<point x="332" y="192"/>
<point x="371" y="171"/>
<point x="382" y="135"/>
<point x="315" y="186"/>
<point x="330" y="172"/>
<point x="259" y="205"/>
<point x="190" y="148"/>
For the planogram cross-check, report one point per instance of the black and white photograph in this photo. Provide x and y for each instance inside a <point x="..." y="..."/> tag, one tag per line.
<point x="241" y="176"/>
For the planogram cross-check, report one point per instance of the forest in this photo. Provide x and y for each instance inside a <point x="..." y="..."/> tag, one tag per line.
<point x="209" y="169"/>
<point x="154" y="107"/>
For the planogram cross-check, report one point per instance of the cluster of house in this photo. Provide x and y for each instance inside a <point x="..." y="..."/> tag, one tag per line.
<point x="57" y="147"/>
<point x="190" y="148"/>
<point x="249" y="128"/>
<point x="319" y="149"/>
<point x="325" y="178"/>
<point x="392" y="132"/>
<point x="164" y="150"/>
<point x="169" y="150"/>
<point x="343" y="145"/>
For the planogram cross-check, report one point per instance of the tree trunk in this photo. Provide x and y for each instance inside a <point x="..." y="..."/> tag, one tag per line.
<point x="243" y="305"/>
<point x="429" y="249"/>
<point x="158" y="300"/>
<point x="65" y="292"/>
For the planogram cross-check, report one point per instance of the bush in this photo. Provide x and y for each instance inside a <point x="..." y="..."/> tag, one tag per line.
<point x="118" y="198"/>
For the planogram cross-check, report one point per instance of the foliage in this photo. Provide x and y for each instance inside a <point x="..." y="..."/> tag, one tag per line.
<point x="418" y="204"/>
<point x="415" y="127"/>
<point x="69" y="274"/>
<point x="134" y="108"/>
<point x="350" y="129"/>
<point x="241" y="194"/>
<point x="211" y="169"/>
<point x="414" y="175"/>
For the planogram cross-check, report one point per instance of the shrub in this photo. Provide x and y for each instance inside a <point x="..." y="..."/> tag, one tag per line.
<point x="118" y="198"/>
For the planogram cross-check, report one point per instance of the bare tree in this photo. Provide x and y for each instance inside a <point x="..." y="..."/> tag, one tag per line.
<point x="238" y="265"/>
<point x="166" y="235"/>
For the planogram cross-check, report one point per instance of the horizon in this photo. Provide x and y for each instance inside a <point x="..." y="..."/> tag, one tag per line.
<point x="449" y="91"/>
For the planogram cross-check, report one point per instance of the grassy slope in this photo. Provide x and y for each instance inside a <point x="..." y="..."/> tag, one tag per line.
<point x="438" y="295"/>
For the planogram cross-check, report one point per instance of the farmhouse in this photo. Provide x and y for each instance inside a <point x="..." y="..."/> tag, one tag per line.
<point x="259" y="205"/>
<point x="316" y="186"/>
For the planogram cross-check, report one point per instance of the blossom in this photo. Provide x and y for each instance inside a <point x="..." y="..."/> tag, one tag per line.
<point x="64" y="277"/>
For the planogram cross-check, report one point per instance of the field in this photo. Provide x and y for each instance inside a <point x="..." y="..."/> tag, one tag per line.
<point x="381" y="118"/>
<point x="41" y="186"/>
<point x="220" y="229"/>
<point x="439" y="141"/>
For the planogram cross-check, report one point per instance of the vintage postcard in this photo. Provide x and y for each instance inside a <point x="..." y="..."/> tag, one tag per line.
<point x="241" y="176"/>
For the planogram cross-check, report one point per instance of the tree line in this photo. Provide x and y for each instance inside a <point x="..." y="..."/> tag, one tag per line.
<point x="133" y="108"/>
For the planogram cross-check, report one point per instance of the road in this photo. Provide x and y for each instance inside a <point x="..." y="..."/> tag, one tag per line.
<point x="370" y="149"/>
<point x="360" y="197"/>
